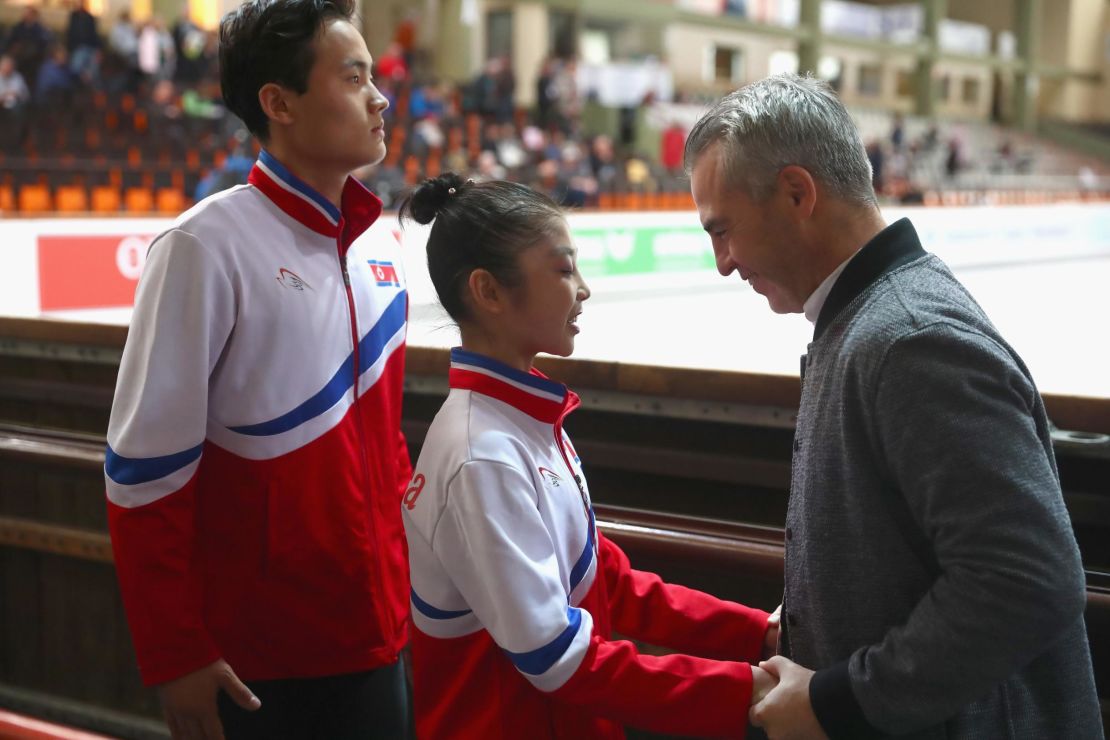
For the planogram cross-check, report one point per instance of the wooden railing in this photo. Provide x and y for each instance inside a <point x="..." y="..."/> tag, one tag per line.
<point x="689" y="471"/>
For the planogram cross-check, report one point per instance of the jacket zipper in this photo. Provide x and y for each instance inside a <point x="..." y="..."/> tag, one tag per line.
<point x="570" y="468"/>
<point x="383" y="614"/>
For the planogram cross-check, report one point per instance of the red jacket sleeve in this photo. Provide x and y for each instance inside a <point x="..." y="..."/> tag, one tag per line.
<point x="675" y="694"/>
<point x="645" y="608"/>
<point x="678" y="694"/>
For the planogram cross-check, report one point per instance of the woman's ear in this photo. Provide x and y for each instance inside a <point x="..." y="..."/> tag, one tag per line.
<point x="486" y="294"/>
<point x="276" y="103"/>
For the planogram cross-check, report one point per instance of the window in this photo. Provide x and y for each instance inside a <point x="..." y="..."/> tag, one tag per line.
<point x="499" y="33"/>
<point x="831" y="69"/>
<point x="727" y="64"/>
<point x="945" y="87"/>
<point x="596" y="46"/>
<point x="970" y="93"/>
<point x="562" y="34"/>
<point x="870" y="80"/>
<point x="907" y="83"/>
<point x="782" y="61"/>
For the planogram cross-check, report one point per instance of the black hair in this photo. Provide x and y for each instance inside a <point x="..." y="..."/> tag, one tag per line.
<point x="478" y="226"/>
<point x="264" y="41"/>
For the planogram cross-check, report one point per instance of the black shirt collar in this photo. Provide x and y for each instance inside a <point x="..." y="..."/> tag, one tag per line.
<point x="894" y="246"/>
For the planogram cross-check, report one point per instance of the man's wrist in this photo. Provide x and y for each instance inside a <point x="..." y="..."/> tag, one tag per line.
<point x="836" y="707"/>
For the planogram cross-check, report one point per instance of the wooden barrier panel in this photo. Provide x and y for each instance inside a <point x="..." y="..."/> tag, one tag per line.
<point x="689" y="470"/>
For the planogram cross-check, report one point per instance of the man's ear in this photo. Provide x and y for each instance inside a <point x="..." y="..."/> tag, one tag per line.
<point x="799" y="189"/>
<point x="276" y="103"/>
<point x="487" y="295"/>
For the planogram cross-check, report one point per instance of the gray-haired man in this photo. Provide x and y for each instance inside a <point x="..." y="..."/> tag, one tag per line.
<point x="933" y="582"/>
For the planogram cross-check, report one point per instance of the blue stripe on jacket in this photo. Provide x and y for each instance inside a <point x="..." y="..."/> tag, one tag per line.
<point x="370" y="350"/>
<point x="539" y="661"/>
<point x="130" y="471"/>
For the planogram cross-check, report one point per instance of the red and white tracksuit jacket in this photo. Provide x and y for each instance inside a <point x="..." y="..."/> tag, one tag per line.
<point x="515" y="595"/>
<point x="255" y="460"/>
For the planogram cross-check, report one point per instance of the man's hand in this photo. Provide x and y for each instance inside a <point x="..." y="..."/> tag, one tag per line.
<point x="189" y="702"/>
<point x="785" y="713"/>
<point x="771" y="638"/>
<point x="762" y="683"/>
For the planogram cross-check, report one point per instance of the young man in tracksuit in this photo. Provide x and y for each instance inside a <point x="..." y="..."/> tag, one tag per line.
<point x="255" y="460"/>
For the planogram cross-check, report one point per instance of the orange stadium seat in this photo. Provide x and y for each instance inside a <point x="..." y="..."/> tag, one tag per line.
<point x="71" y="199"/>
<point x="105" y="199"/>
<point x="35" y="199"/>
<point x="138" y="200"/>
<point x="169" y="200"/>
<point x="7" y="198"/>
<point x="412" y="169"/>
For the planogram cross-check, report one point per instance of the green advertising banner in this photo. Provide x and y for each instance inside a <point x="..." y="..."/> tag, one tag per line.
<point x="638" y="251"/>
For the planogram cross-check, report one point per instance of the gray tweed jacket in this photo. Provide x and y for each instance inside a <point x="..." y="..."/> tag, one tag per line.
<point x="932" y="575"/>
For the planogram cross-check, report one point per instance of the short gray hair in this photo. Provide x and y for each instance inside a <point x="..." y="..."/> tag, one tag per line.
<point x="779" y="121"/>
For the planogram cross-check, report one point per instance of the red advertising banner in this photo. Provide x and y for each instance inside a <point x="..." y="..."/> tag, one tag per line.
<point x="77" y="272"/>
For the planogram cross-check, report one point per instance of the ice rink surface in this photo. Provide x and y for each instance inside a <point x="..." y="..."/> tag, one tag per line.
<point x="1047" y="291"/>
<point x="1042" y="275"/>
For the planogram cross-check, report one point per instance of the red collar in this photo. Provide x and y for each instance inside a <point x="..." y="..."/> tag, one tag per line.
<point x="294" y="196"/>
<point x="531" y="392"/>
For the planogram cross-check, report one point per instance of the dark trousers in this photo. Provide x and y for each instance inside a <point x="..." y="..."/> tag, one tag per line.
<point x="353" y="706"/>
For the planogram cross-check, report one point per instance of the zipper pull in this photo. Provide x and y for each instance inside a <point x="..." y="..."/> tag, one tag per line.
<point x="346" y="277"/>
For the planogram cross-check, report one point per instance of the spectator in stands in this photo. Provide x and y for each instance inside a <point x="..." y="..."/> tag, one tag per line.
<point x="671" y="144"/>
<point x="897" y="132"/>
<point x="487" y="167"/>
<point x="405" y="35"/>
<point x="954" y="160"/>
<point x="391" y="64"/>
<point x="546" y="94"/>
<point x="196" y="103"/>
<point x="603" y="162"/>
<point x="55" y="82"/>
<point x="28" y="43"/>
<point x="189" y="43"/>
<point x="13" y="88"/>
<point x="930" y="138"/>
<point x="568" y="103"/>
<point x="492" y="90"/>
<point x="509" y="148"/>
<point x="235" y="170"/>
<point x="515" y="593"/>
<point x="429" y="99"/>
<point x="83" y="43"/>
<point x="123" y="41"/>
<point x="156" y="54"/>
<point x="256" y="461"/>
<point x="933" y="582"/>
<point x="14" y="99"/>
<point x="578" y="183"/>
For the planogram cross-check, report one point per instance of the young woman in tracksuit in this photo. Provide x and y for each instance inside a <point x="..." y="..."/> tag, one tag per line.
<point x="515" y="594"/>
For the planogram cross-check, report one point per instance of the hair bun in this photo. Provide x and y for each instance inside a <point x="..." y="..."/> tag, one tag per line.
<point x="430" y="196"/>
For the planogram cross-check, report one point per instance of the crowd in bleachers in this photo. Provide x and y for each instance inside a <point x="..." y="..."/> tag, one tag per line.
<point x="132" y="120"/>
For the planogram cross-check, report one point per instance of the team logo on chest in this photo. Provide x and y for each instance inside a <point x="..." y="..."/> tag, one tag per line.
<point x="290" y="279"/>
<point x="384" y="273"/>
<point x="551" y="477"/>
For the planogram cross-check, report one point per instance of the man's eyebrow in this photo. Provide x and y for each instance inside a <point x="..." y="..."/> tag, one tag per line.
<point x="358" y="64"/>
<point x="562" y="249"/>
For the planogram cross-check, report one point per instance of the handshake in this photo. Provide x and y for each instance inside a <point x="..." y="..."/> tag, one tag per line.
<point x="780" y="693"/>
